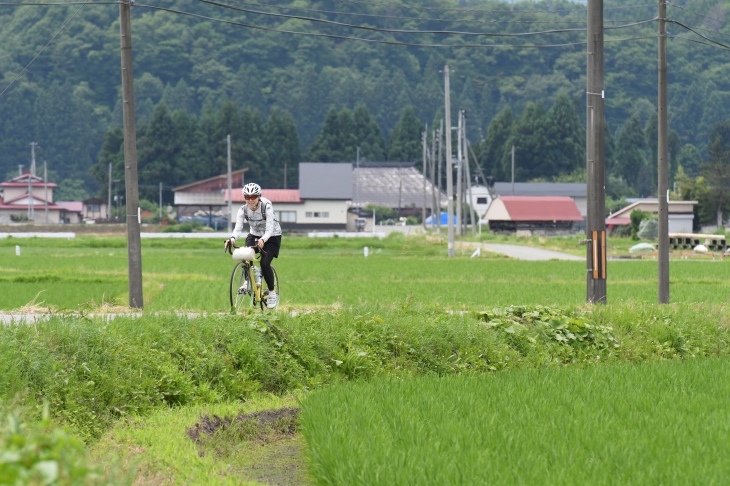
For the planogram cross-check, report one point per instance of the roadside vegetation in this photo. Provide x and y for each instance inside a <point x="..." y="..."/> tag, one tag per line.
<point x="186" y="397"/>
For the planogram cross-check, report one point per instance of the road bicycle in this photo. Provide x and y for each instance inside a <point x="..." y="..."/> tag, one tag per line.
<point x="247" y="283"/>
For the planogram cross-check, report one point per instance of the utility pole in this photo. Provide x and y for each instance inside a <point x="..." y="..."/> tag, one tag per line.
<point x="230" y="186"/>
<point x="434" y="206"/>
<point x="31" y="173"/>
<point x="663" y="169"/>
<point x="595" y="165"/>
<point x="449" y="163"/>
<point x="513" y="169"/>
<point x="459" y="172"/>
<point x="45" y="188"/>
<point x="160" y="202"/>
<point x="134" y="248"/>
<point x="424" y="171"/>
<point x="109" y="195"/>
<point x="440" y="170"/>
<point x="357" y="181"/>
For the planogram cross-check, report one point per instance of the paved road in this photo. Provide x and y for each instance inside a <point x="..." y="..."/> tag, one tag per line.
<point x="528" y="253"/>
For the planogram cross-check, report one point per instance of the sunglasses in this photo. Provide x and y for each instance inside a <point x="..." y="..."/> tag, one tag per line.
<point x="249" y="198"/>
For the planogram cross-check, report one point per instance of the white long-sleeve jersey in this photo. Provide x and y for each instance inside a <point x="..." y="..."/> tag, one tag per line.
<point x="261" y="221"/>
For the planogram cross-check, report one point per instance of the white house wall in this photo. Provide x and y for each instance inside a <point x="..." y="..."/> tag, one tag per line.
<point x="336" y="209"/>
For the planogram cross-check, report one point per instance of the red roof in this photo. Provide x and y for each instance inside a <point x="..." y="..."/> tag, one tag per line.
<point x="73" y="206"/>
<point x="541" y="208"/>
<point x="217" y="183"/>
<point x="273" y="195"/>
<point x="22" y="181"/>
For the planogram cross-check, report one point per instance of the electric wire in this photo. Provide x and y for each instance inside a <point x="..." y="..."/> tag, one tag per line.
<point x="394" y="31"/>
<point x="361" y="39"/>
<point x="477" y="10"/>
<point x="712" y="41"/>
<point x="420" y="19"/>
<point x="42" y="49"/>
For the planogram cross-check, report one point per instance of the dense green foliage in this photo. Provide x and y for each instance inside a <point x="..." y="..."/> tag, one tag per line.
<point x="188" y="68"/>
<point x="655" y="423"/>
<point x="94" y="371"/>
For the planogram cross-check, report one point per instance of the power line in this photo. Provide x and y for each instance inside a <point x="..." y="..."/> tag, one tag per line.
<point x="394" y="31"/>
<point x="42" y="49"/>
<point x="711" y="41"/>
<point x="423" y="19"/>
<point x="361" y="39"/>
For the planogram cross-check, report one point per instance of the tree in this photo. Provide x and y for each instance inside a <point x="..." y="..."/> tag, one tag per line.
<point x="405" y="141"/>
<point x="282" y="146"/>
<point x="156" y="152"/>
<point x="690" y="160"/>
<point x="532" y="143"/>
<point x="631" y="164"/>
<point x="368" y="135"/>
<point x="326" y="146"/>
<point x="566" y="135"/>
<point x="717" y="170"/>
<point x="494" y="149"/>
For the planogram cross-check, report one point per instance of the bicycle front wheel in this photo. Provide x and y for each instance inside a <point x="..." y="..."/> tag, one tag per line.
<point x="240" y="291"/>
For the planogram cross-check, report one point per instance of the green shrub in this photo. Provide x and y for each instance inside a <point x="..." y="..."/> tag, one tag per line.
<point x="40" y="453"/>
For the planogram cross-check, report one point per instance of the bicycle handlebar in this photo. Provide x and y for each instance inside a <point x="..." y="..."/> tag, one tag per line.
<point x="232" y="245"/>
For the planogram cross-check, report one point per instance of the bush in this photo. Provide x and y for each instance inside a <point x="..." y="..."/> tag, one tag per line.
<point x="637" y="216"/>
<point x="183" y="227"/>
<point x="648" y="229"/>
<point x="39" y="453"/>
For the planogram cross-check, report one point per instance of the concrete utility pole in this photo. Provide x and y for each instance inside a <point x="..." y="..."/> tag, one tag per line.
<point x="357" y="181"/>
<point x="513" y="169"/>
<point x="434" y="206"/>
<point x="160" y="202"/>
<point x="449" y="163"/>
<point x="45" y="188"/>
<point x="663" y="169"/>
<point x="109" y="195"/>
<point x="440" y="171"/>
<point x="459" y="177"/>
<point x="425" y="168"/>
<point x="230" y="186"/>
<point x="595" y="165"/>
<point x="31" y="202"/>
<point x="134" y="248"/>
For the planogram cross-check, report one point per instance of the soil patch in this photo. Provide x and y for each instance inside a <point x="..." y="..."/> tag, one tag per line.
<point x="266" y="425"/>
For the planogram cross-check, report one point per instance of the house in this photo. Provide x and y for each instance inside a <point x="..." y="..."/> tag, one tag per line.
<point x="72" y="212"/>
<point x="207" y="198"/>
<point x="577" y="191"/>
<point x="680" y="214"/>
<point x="395" y="185"/>
<point x="533" y="215"/>
<point x="480" y="197"/>
<point x="94" y="209"/>
<point x="287" y="204"/>
<point x="28" y="197"/>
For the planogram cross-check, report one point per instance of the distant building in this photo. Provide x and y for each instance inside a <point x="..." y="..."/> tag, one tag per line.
<point x="577" y="191"/>
<point x="529" y="215"/>
<point x="29" y="198"/>
<point x="680" y="214"/>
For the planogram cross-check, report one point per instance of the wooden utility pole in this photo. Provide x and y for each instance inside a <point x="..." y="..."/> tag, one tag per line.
<point x="663" y="169"/>
<point x="595" y="166"/>
<point x="440" y="170"/>
<point x="134" y="249"/>
<point x="449" y="163"/>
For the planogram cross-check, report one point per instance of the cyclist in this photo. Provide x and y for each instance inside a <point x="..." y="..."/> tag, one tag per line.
<point x="264" y="233"/>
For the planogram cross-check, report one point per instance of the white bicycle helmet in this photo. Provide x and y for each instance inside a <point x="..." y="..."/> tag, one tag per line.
<point x="251" y="189"/>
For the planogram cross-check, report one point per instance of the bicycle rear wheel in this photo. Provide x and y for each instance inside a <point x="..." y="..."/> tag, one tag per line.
<point x="265" y="299"/>
<point x="240" y="291"/>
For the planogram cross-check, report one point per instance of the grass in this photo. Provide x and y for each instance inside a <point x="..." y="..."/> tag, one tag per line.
<point x="129" y="384"/>
<point x="655" y="423"/>
<point x="194" y="275"/>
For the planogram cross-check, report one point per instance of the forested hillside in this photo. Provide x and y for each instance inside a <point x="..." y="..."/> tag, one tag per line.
<point x="279" y="73"/>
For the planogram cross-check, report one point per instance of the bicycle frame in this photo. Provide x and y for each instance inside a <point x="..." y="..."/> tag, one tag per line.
<point x="244" y="291"/>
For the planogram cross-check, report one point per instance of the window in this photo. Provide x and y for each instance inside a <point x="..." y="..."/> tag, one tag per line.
<point x="286" y="216"/>
<point x="481" y="200"/>
<point x="318" y="214"/>
<point x="93" y="208"/>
